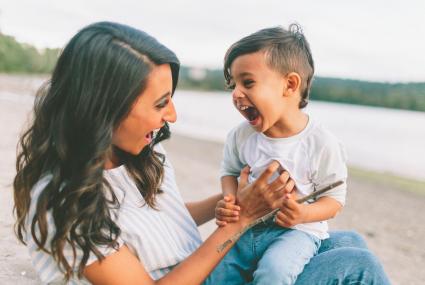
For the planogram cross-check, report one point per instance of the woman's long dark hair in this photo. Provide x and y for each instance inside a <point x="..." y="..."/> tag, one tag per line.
<point x="97" y="78"/>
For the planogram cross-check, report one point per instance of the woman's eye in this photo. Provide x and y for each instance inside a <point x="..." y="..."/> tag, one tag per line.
<point x="162" y="104"/>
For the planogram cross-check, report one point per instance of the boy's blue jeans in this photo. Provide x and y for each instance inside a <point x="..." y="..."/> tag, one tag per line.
<point x="343" y="258"/>
<point x="266" y="254"/>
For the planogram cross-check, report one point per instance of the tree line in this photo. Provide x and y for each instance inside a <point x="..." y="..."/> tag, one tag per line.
<point x="16" y="57"/>
<point x="408" y="96"/>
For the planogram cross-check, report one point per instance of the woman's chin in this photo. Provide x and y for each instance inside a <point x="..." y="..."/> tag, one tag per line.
<point x="137" y="151"/>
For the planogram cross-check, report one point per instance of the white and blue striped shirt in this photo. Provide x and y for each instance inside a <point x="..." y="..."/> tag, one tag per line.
<point x="159" y="238"/>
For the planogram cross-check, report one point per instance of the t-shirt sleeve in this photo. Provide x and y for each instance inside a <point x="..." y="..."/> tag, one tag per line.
<point x="231" y="164"/>
<point x="105" y="250"/>
<point x="329" y="167"/>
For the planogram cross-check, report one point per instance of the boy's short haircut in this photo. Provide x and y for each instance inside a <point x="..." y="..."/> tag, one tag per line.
<point x="285" y="51"/>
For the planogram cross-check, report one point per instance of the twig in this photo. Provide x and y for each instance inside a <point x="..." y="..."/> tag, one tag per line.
<point x="273" y="213"/>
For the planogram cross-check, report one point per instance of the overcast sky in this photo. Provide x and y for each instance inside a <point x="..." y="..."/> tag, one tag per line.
<point x="371" y="40"/>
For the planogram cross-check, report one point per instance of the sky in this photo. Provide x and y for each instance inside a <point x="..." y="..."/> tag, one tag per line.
<point x="373" y="40"/>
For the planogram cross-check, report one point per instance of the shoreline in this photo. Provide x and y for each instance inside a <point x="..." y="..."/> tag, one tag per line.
<point x="400" y="183"/>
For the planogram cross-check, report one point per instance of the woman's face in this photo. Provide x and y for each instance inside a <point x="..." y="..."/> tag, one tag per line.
<point x="149" y="112"/>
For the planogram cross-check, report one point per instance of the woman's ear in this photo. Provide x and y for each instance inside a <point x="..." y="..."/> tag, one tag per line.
<point x="293" y="83"/>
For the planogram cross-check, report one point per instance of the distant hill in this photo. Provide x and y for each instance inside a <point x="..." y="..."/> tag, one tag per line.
<point x="409" y="96"/>
<point x="16" y="57"/>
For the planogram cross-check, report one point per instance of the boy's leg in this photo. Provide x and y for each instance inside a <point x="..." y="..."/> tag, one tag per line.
<point x="285" y="258"/>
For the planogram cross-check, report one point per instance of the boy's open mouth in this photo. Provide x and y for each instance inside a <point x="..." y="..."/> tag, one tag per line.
<point x="250" y="113"/>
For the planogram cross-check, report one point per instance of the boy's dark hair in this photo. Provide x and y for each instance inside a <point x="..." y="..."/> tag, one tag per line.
<point x="285" y="51"/>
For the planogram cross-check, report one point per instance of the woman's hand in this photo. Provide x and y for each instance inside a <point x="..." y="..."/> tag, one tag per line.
<point x="260" y="197"/>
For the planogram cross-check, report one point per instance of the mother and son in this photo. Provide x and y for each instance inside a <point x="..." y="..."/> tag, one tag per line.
<point x="95" y="195"/>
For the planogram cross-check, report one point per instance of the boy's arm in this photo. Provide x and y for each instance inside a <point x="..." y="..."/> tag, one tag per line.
<point x="292" y="213"/>
<point x="229" y="185"/>
<point x="324" y="208"/>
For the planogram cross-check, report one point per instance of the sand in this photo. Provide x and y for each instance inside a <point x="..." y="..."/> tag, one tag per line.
<point x="389" y="218"/>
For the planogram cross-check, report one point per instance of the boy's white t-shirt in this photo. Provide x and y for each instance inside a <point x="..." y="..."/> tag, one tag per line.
<point x="314" y="158"/>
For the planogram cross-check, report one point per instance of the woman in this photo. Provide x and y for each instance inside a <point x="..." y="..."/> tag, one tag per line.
<point x="95" y="196"/>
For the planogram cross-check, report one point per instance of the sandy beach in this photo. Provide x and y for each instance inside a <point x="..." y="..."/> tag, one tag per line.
<point x="389" y="217"/>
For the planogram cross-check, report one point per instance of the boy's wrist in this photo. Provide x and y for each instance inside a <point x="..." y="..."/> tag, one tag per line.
<point x="229" y="192"/>
<point x="305" y="216"/>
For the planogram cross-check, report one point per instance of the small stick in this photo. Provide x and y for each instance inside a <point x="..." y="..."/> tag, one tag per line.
<point x="273" y="213"/>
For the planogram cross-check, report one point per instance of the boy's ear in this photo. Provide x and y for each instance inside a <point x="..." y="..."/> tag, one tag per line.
<point x="293" y="82"/>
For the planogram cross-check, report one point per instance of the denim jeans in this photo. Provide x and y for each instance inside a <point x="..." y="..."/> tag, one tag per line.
<point x="341" y="259"/>
<point x="266" y="254"/>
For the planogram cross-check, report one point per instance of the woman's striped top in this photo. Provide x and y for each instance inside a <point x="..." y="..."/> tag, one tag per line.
<point x="159" y="238"/>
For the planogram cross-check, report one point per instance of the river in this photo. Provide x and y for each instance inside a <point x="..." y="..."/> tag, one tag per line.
<point x="379" y="139"/>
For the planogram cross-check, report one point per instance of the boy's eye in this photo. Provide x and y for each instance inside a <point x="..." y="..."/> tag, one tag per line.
<point x="248" y="83"/>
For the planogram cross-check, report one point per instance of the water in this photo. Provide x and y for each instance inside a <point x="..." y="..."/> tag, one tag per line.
<point x="378" y="139"/>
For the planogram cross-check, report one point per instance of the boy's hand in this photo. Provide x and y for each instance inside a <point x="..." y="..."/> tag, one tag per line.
<point x="227" y="211"/>
<point x="291" y="212"/>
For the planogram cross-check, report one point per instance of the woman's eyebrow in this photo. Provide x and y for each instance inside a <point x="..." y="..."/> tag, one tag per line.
<point x="163" y="97"/>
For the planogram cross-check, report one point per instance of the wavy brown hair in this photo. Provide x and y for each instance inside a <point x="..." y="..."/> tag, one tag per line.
<point x="97" y="78"/>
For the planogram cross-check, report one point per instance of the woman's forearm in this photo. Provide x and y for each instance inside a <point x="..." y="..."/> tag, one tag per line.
<point x="203" y="211"/>
<point x="124" y="268"/>
<point x="196" y="268"/>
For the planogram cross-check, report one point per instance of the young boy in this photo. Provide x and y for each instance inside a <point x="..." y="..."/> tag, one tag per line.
<point x="271" y="73"/>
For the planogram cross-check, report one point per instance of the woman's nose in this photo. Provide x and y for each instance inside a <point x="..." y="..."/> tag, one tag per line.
<point x="170" y="113"/>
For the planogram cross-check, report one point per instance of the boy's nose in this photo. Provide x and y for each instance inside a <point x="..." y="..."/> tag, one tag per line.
<point x="236" y="94"/>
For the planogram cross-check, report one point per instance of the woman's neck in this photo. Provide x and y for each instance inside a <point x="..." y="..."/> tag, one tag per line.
<point x="112" y="160"/>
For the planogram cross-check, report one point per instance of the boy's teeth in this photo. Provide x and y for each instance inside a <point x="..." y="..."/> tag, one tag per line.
<point x="242" y="108"/>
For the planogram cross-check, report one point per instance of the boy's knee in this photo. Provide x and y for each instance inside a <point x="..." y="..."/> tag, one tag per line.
<point x="268" y="277"/>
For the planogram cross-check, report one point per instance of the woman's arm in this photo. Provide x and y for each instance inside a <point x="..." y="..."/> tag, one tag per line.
<point x="203" y="211"/>
<point x="124" y="268"/>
